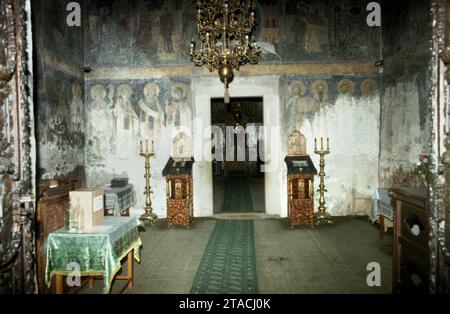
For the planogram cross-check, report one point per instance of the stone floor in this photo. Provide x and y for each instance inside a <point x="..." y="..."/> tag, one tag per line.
<point x="329" y="259"/>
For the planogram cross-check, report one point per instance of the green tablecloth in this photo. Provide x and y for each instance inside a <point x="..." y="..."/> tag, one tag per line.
<point x="98" y="252"/>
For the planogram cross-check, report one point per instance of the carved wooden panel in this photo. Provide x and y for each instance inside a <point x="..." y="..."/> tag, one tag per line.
<point x="301" y="199"/>
<point x="16" y="140"/>
<point x="51" y="211"/>
<point x="179" y="200"/>
<point x="440" y="157"/>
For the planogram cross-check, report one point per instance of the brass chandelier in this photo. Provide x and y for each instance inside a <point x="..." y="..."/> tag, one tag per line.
<point x="224" y="28"/>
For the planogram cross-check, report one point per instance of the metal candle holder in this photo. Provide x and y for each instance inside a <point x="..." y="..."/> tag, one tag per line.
<point x="148" y="215"/>
<point x="322" y="216"/>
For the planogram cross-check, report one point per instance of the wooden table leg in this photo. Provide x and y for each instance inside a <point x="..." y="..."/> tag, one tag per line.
<point x="59" y="284"/>
<point x="381" y="227"/>
<point x="91" y="282"/>
<point x="130" y="269"/>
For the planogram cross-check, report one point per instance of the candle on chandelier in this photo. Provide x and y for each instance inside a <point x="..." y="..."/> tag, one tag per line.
<point x="146" y="146"/>
<point x="141" y="147"/>
<point x="315" y="144"/>
<point x="328" y="143"/>
<point x="153" y="147"/>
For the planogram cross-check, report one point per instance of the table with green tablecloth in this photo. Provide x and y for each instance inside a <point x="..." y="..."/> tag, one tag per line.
<point x="96" y="253"/>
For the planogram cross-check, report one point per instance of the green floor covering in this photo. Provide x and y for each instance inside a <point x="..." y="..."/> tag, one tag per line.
<point x="229" y="261"/>
<point x="237" y="197"/>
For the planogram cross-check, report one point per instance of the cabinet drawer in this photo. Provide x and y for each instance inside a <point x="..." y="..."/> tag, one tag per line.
<point x="414" y="225"/>
<point x="414" y="276"/>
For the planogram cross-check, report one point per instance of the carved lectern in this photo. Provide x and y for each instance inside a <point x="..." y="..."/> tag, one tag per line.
<point x="300" y="173"/>
<point x="178" y="173"/>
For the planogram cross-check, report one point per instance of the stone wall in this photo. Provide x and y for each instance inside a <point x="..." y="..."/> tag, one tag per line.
<point x="59" y="91"/>
<point x="404" y="114"/>
<point x="345" y="109"/>
<point x="134" y="46"/>
<point x="140" y="86"/>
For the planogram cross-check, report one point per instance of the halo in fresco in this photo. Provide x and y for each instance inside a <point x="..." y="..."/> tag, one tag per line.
<point x="152" y="89"/>
<point x="369" y="87"/>
<point x="346" y="87"/>
<point x="179" y="86"/>
<point x="319" y="84"/>
<point x="298" y="86"/>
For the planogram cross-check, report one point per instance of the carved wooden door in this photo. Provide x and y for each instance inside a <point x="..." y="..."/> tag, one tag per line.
<point x="440" y="148"/>
<point x="17" y="145"/>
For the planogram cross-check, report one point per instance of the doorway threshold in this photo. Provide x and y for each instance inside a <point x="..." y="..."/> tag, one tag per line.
<point x="245" y="216"/>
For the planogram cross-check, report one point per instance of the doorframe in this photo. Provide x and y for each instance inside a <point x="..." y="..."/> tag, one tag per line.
<point x="264" y="86"/>
<point x="225" y="135"/>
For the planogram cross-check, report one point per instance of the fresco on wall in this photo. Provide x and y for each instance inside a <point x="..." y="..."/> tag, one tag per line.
<point x="345" y="110"/>
<point x="140" y="32"/>
<point x="409" y="26"/>
<point x="132" y="111"/>
<point x="404" y="115"/>
<point x="61" y="134"/>
<point x="59" y="92"/>
<point x="404" y="135"/>
<point x="53" y="33"/>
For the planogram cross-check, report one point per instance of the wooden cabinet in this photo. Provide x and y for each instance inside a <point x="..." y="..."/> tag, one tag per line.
<point x="411" y="269"/>
<point x="179" y="192"/>
<point x="301" y="172"/>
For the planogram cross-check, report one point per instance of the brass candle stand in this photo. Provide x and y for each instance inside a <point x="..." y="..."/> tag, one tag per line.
<point x="322" y="216"/>
<point x="148" y="215"/>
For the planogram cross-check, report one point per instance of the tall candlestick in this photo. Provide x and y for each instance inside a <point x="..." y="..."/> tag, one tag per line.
<point x="148" y="215"/>
<point x="322" y="216"/>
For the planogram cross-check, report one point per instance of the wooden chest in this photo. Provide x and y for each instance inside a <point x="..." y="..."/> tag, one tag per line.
<point x="86" y="209"/>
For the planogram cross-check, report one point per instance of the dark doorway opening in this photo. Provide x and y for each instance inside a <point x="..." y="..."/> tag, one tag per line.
<point x="237" y="176"/>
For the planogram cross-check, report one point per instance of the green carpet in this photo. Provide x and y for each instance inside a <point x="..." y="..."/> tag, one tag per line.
<point x="237" y="196"/>
<point x="229" y="261"/>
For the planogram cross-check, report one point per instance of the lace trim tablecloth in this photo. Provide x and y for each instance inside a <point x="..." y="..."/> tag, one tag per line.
<point x="381" y="205"/>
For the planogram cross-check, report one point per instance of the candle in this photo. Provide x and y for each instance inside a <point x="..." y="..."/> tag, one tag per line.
<point x="153" y="146"/>
<point x="321" y="143"/>
<point x="315" y="144"/>
<point x="146" y="145"/>
<point x="328" y="143"/>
